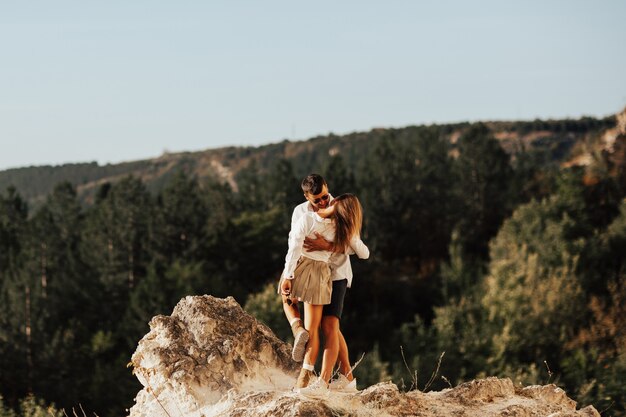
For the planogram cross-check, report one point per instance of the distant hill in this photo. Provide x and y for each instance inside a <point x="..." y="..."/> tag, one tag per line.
<point x="562" y="141"/>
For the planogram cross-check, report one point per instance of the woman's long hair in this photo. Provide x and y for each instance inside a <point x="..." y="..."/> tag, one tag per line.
<point x="348" y="220"/>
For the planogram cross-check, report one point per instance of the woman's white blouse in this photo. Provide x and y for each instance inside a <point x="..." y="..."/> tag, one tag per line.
<point x="307" y="225"/>
<point x="340" y="262"/>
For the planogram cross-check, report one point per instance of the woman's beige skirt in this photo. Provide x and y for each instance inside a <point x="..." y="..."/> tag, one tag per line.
<point x="311" y="282"/>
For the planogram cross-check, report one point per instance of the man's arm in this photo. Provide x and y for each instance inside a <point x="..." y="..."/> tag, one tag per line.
<point x="295" y="216"/>
<point x="296" y="243"/>
<point x="319" y="243"/>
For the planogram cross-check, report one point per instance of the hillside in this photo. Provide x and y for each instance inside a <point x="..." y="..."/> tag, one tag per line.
<point x="510" y="263"/>
<point x="560" y="141"/>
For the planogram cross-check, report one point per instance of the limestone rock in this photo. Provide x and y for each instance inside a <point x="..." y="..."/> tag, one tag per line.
<point x="207" y="347"/>
<point x="210" y="358"/>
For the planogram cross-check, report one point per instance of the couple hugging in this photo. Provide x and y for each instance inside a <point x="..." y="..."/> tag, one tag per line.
<point x="324" y="232"/>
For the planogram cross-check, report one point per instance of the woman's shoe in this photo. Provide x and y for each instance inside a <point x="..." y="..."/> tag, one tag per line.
<point x="300" y="339"/>
<point x="303" y="379"/>
<point x="343" y="384"/>
<point x="318" y="388"/>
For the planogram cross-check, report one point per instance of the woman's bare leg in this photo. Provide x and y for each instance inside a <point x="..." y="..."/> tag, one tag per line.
<point x="291" y="311"/>
<point x="312" y="320"/>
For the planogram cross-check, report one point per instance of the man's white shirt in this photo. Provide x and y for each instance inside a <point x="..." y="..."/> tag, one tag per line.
<point x="339" y="262"/>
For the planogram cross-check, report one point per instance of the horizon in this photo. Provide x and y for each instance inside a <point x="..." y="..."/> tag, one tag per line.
<point x="118" y="82"/>
<point x="165" y="152"/>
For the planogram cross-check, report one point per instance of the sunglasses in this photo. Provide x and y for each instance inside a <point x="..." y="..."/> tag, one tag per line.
<point x="322" y="198"/>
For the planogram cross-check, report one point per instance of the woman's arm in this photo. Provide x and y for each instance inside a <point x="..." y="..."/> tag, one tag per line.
<point x="326" y="212"/>
<point x="360" y="249"/>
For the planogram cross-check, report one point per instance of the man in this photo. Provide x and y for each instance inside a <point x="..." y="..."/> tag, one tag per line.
<point x="318" y="197"/>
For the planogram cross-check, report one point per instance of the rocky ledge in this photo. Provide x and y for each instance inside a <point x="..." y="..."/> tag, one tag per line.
<point x="211" y="358"/>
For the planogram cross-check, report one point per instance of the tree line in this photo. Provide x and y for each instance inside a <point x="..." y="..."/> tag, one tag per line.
<point x="512" y="266"/>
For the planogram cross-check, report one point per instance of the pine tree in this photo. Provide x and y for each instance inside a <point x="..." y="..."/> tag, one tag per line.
<point x="389" y="187"/>
<point x="339" y="179"/>
<point x="59" y="284"/>
<point x="483" y="188"/>
<point x="13" y="215"/>
<point x="181" y="215"/>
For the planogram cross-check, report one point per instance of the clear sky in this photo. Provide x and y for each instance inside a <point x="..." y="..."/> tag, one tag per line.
<point x="121" y="80"/>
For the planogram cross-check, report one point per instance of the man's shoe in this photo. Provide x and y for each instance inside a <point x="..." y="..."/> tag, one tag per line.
<point x="301" y="337"/>
<point x="303" y="379"/>
<point x="319" y="388"/>
<point x="343" y="384"/>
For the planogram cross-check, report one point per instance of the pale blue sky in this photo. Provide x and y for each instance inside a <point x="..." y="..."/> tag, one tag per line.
<point x="117" y="80"/>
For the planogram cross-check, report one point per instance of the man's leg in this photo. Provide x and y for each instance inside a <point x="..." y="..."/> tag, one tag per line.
<point x="330" y="326"/>
<point x="332" y="355"/>
<point x="344" y="357"/>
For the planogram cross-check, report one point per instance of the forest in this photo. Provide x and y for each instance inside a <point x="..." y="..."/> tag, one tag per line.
<point x="483" y="263"/>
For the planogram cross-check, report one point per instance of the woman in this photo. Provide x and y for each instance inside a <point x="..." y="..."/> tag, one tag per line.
<point x="307" y="276"/>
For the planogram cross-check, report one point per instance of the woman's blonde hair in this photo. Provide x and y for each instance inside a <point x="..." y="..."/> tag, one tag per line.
<point x="348" y="220"/>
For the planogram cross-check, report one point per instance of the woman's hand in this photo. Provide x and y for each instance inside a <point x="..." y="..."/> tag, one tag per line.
<point x="285" y="287"/>
<point x="326" y="212"/>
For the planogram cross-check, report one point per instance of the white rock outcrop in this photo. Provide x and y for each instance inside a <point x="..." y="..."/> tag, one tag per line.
<point x="210" y="358"/>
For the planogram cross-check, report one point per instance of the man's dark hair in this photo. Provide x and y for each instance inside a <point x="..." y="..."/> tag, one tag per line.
<point x="313" y="184"/>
